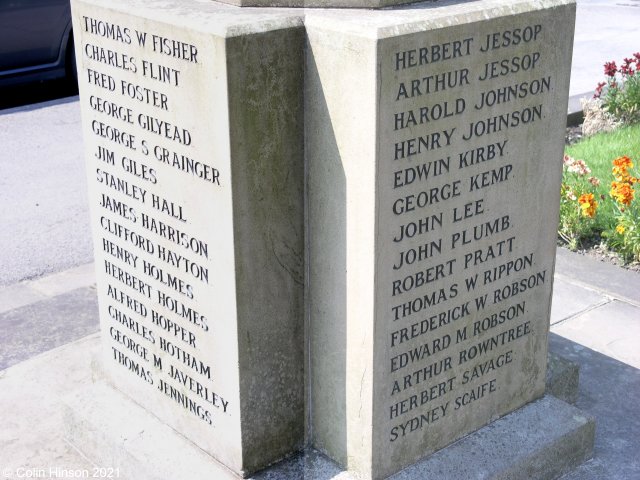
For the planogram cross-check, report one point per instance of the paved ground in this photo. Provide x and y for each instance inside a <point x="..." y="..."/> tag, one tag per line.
<point x="43" y="191"/>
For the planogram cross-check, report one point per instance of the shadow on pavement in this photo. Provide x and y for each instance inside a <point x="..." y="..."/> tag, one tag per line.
<point x="36" y="92"/>
<point x="608" y="390"/>
<point x="42" y="326"/>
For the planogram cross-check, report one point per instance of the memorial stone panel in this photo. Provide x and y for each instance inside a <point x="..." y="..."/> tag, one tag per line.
<point x="195" y="158"/>
<point x="455" y="250"/>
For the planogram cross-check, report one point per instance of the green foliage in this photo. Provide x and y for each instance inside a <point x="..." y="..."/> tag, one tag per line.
<point x="625" y="239"/>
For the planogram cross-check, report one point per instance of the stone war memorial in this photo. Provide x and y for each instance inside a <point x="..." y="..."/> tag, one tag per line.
<point x="325" y="238"/>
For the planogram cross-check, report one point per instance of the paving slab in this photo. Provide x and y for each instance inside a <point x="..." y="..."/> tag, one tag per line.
<point x="570" y="299"/>
<point x="592" y="274"/>
<point x="31" y="291"/>
<point x="18" y="295"/>
<point x="65" y="281"/>
<point x="612" y="329"/>
<point x="30" y="402"/>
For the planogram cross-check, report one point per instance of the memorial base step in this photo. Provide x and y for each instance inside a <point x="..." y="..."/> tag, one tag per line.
<point x="543" y="440"/>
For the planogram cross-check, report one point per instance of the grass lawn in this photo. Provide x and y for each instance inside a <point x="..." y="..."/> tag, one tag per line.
<point x="600" y="150"/>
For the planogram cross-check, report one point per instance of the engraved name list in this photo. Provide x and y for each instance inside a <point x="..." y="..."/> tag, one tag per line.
<point x="461" y="272"/>
<point x="156" y="258"/>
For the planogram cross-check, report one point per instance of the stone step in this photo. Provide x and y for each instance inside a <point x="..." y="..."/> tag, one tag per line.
<point x="540" y="441"/>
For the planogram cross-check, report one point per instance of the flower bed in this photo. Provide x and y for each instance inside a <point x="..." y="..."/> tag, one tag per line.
<point x="600" y="201"/>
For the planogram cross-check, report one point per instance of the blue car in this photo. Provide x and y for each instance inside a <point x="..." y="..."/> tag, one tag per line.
<point x="36" y="41"/>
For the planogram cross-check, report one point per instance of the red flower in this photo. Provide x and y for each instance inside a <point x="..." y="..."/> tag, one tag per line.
<point x="610" y="69"/>
<point x="637" y="56"/>
<point x="599" y="89"/>
<point x="626" y="68"/>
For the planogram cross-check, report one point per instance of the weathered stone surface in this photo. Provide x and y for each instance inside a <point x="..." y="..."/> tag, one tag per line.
<point x="542" y="440"/>
<point x="558" y="438"/>
<point x="433" y="143"/>
<point x="562" y="378"/>
<point x="192" y="120"/>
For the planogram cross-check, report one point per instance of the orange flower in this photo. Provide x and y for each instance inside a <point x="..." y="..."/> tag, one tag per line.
<point x="620" y="167"/>
<point x="587" y="204"/>
<point x="623" y="161"/>
<point x="622" y="192"/>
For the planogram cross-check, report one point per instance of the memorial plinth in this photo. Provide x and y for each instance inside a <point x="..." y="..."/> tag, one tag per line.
<point x="325" y="227"/>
